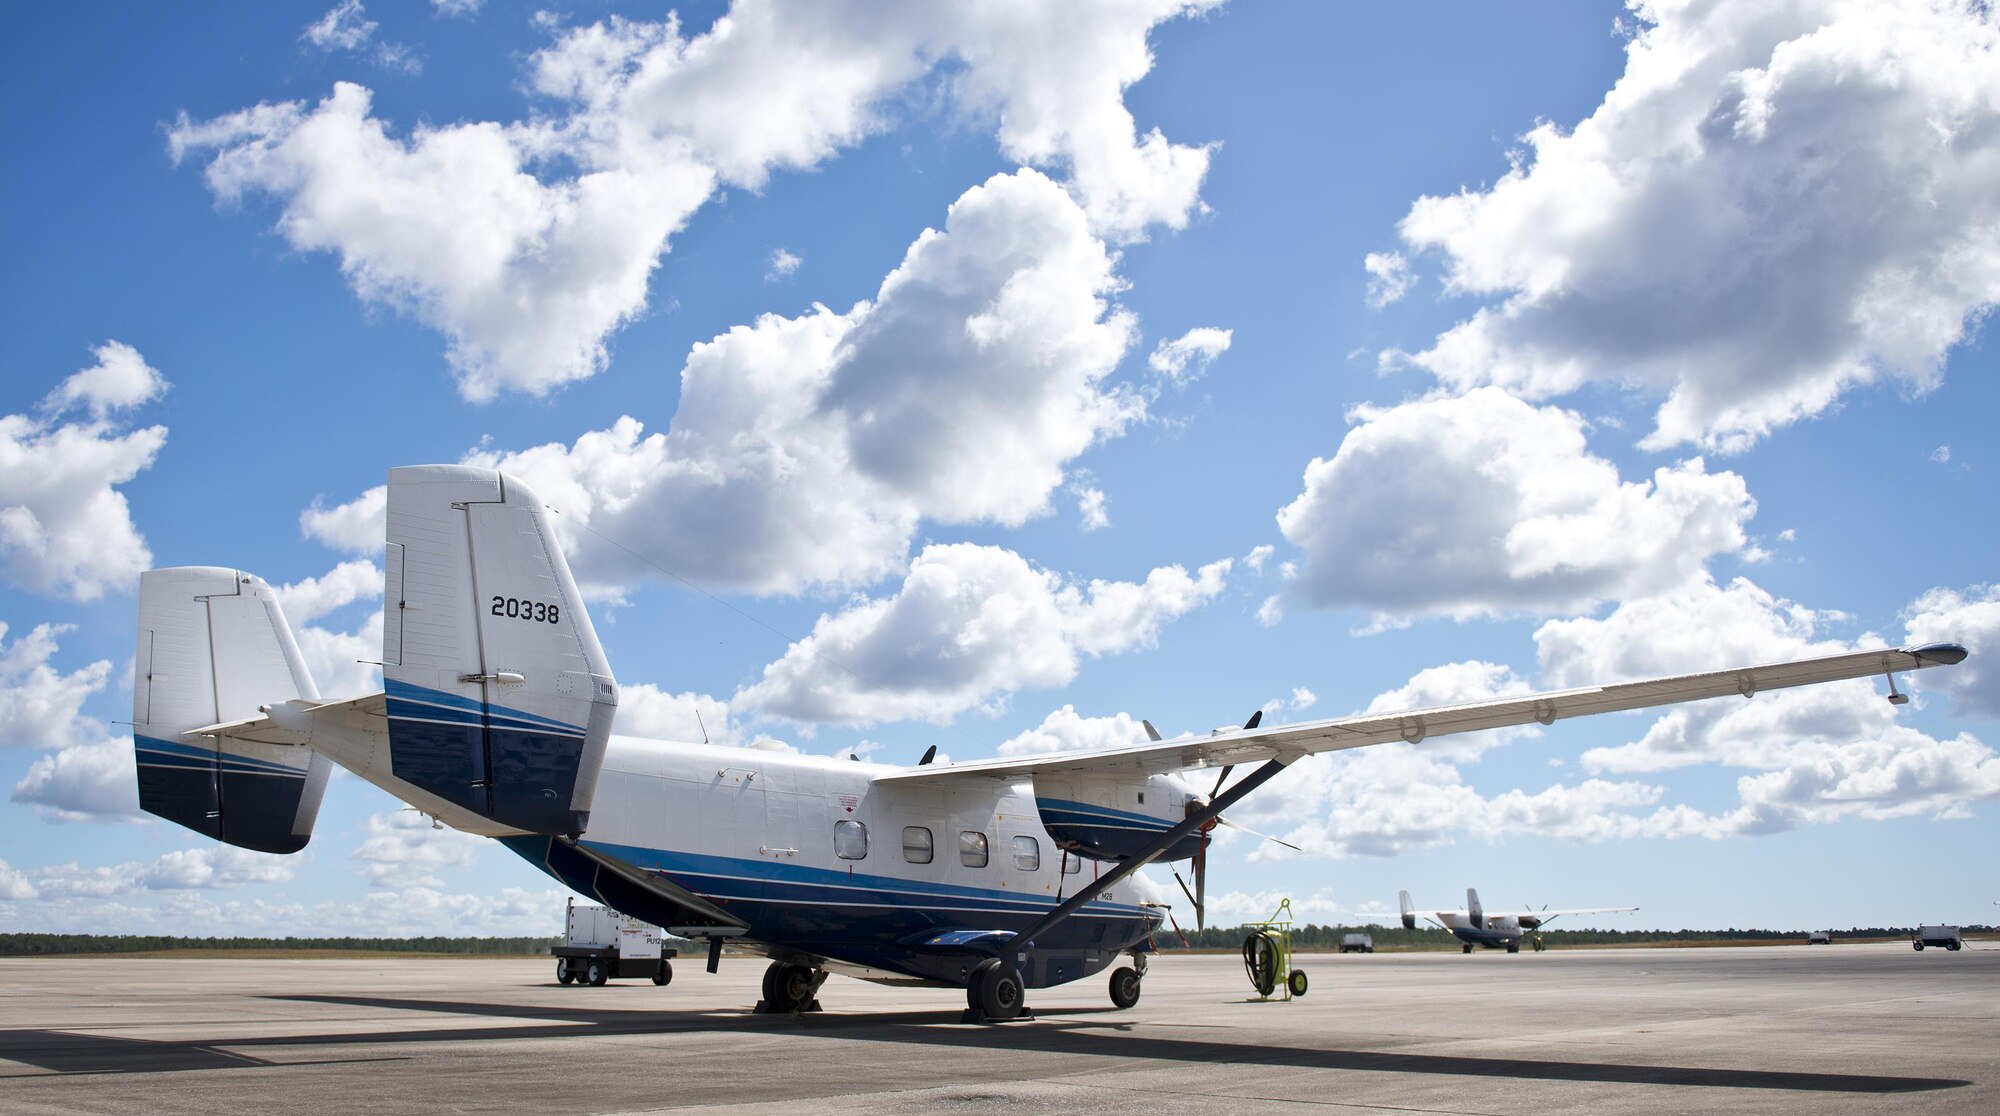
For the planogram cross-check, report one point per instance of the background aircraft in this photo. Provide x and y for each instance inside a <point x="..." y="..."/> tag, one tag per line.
<point x="994" y="875"/>
<point x="1476" y="926"/>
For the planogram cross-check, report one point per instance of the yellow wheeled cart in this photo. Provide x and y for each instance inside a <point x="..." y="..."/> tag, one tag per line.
<point x="1267" y="956"/>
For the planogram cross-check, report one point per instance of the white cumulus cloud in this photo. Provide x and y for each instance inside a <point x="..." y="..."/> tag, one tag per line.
<point x="1065" y="730"/>
<point x="85" y="770"/>
<point x="806" y="450"/>
<point x="65" y="528"/>
<point x="1389" y="277"/>
<point x="1775" y="204"/>
<point x="645" y="710"/>
<point x="528" y="243"/>
<point x="1970" y="617"/>
<point x="403" y="849"/>
<point x="1181" y="359"/>
<point x="1482" y="504"/>
<point x="14" y="885"/>
<point x="969" y="626"/>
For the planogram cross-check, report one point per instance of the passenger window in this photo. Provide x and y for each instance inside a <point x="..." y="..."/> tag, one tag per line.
<point x="1027" y="854"/>
<point x="972" y="849"/>
<point x="916" y="844"/>
<point x="850" y="840"/>
<point x="1072" y="864"/>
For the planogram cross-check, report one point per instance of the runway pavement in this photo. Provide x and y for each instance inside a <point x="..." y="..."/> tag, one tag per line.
<point x="1847" y="1028"/>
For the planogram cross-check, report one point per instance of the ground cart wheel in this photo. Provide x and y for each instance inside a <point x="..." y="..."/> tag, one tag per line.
<point x="999" y="987"/>
<point x="1297" y="982"/>
<point x="1124" y="987"/>
<point x="663" y="974"/>
<point x="563" y="975"/>
<point x="595" y="974"/>
<point x="1918" y="946"/>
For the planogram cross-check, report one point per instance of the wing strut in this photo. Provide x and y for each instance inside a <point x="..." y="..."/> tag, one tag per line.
<point x="1025" y="939"/>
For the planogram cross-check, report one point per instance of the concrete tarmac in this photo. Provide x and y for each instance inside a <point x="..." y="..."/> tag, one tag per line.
<point x="1846" y="1028"/>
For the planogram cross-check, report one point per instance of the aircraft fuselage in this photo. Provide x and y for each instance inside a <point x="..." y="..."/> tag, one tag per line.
<point x="823" y="865"/>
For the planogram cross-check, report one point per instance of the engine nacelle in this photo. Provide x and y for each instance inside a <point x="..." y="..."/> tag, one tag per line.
<point x="1111" y="818"/>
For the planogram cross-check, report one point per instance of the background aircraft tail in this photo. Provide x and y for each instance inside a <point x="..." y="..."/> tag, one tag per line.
<point x="1409" y="910"/>
<point x="500" y="700"/>
<point x="214" y="647"/>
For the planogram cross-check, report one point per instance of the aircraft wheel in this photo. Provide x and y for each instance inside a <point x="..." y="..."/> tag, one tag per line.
<point x="664" y="974"/>
<point x="1297" y="982"/>
<point x="563" y="975"/>
<point x="999" y="987"/>
<point x="1513" y="947"/>
<point x="787" y="987"/>
<point x="1468" y="947"/>
<point x="595" y="974"/>
<point x="1124" y="987"/>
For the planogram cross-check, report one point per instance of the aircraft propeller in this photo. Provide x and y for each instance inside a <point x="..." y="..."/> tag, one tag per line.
<point x="1198" y="895"/>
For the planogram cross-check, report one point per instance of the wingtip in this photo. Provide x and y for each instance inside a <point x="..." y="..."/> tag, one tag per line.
<point x="1937" y="654"/>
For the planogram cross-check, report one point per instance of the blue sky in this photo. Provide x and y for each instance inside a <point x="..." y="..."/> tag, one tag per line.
<point x="1051" y="369"/>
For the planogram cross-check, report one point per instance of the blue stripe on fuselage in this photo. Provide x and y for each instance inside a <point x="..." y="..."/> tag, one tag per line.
<point x="883" y="922"/>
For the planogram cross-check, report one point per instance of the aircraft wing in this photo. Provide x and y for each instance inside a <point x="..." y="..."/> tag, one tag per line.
<point x="1546" y="915"/>
<point x="1291" y="742"/>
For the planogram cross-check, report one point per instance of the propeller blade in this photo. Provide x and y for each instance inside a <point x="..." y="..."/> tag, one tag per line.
<point x="1219" y="779"/>
<point x="1265" y="836"/>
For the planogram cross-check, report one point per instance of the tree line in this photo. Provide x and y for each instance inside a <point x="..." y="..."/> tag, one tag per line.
<point x="27" y="945"/>
<point x="1313" y="936"/>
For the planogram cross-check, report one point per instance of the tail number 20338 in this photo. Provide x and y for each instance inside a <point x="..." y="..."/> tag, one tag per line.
<point x="519" y="609"/>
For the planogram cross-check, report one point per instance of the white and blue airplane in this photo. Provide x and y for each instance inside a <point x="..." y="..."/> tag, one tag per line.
<point x="1477" y="927"/>
<point x="995" y="876"/>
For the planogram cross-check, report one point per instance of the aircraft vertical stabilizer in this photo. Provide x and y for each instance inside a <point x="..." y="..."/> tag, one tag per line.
<point x="499" y="697"/>
<point x="214" y="647"/>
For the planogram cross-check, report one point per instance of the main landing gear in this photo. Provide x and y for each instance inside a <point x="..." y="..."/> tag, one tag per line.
<point x="790" y="988"/>
<point x="994" y="993"/>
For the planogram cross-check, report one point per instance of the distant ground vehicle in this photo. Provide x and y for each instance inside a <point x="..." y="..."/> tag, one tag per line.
<point x="1946" y="936"/>
<point x="1358" y="943"/>
<point x="599" y="944"/>
<point x="1820" y="937"/>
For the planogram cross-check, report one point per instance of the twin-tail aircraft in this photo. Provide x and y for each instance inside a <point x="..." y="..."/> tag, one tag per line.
<point x="1477" y="927"/>
<point x="995" y="876"/>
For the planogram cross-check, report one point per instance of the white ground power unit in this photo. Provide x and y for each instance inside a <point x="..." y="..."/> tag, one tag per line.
<point x="600" y="944"/>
